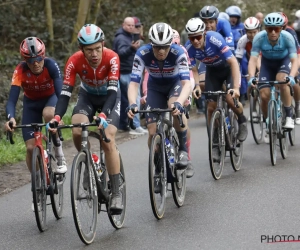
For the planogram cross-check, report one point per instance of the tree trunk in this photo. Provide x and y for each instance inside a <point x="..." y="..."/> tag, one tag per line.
<point x="83" y="10"/>
<point x="94" y="12"/>
<point x="49" y="25"/>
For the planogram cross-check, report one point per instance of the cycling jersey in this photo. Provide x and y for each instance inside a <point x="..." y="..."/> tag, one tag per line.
<point x="35" y="87"/>
<point x="294" y="34"/>
<point x="284" y="46"/>
<point x="224" y="28"/>
<point x="243" y="45"/>
<point x="215" y="53"/>
<point x="161" y="73"/>
<point x="238" y="31"/>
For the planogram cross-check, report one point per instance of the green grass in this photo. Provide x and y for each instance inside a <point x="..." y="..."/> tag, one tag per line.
<point x="12" y="153"/>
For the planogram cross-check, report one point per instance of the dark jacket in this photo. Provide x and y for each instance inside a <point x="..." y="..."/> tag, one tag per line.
<point x="122" y="46"/>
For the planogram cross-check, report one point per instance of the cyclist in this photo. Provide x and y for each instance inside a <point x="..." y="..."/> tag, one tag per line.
<point x="41" y="80"/>
<point x="224" y="15"/>
<point x="242" y="53"/>
<point x="98" y="68"/>
<point x="296" y="86"/>
<point x="278" y="50"/>
<point x="168" y="84"/>
<point x="176" y="40"/>
<point x="221" y="65"/>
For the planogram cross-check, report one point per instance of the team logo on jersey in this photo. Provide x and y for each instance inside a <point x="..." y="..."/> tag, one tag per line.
<point x="183" y="62"/>
<point x="136" y="63"/>
<point x="215" y="41"/>
<point x="210" y="59"/>
<point x="68" y="70"/>
<point x="113" y="65"/>
<point x="144" y="51"/>
<point x="174" y="51"/>
<point x="225" y="49"/>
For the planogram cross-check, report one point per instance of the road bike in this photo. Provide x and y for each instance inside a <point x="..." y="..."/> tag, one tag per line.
<point x="90" y="185"/>
<point x="163" y="156"/>
<point x="43" y="180"/>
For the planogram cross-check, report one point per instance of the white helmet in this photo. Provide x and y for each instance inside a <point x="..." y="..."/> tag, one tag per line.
<point x="161" y="34"/>
<point x="251" y="23"/>
<point x="297" y="14"/>
<point x="195" y="25"/>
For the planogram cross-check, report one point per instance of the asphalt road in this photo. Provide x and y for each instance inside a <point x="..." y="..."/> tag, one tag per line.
<point x="239" y="211"/>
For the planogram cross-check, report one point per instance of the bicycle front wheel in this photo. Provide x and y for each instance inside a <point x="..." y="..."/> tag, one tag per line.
<point x="57" y="196"/>
<point x="256" y="117"/>
<point x="273" y="132"/>
<point x="216" y="145"/>
<point x="84" y="198"/>
<point x="157" y="177"/>
<point x="38" y="182"/>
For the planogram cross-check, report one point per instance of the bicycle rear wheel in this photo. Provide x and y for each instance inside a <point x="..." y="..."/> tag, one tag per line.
<point x="178" y="187"/>
<point x="283" y="143"/>
<point x="256" y="117"/>
<point x="216" y="149"/>
<point x="236" y="154"/>
<point x="84" y="198"/>
<point x="292" y="133"/>
<point x="57" y="196"/>
<point x="117" y="221"/>
<point x="157" y="177"/>
<point x="38" y="182"/>
<point x="273" y="132"/>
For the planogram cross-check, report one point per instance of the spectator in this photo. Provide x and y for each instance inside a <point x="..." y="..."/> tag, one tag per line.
<point x="125" y="47"/>
<point x="260" y="17"/>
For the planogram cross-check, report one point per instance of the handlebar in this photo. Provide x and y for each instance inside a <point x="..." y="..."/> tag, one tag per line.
<point x="272" y="83"/>
<point x="235" y="101"/>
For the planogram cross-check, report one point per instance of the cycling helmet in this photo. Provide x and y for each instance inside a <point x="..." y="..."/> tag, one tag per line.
<point x="251" y="23"/>
<point x="274" y="19"/>
<point x="32" y="47"/>
<point x="297" y="14"/>
<point x="234" y="11"/>
<point x="285" y="18"/>
<point x="194" y="26"/>
<point x="161" y="34"/>
<point x="176" y="37"/>
<point x="209" y="12"/>
<point x="224" y="15"/>
<point x="90" y="34"/>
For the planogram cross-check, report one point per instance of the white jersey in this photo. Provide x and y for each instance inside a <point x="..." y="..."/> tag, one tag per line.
<point x="243" y="44"/>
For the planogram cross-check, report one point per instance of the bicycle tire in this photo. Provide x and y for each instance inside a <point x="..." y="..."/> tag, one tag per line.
<point x="292" y="133"/>
<point x="158" y="200"/>
<point x="178" y="187"/>
<point x="256" y="122"/>
<point x="57" y="197"/>
<point x="87" y="234"/>
<point x="216" y="122"/>
<point x="283" y="144"/>
<point x="39" y="189"/>
<point x="273" y="132"/>
<point x="117" y="221"/>
<point x="236" y="154"/>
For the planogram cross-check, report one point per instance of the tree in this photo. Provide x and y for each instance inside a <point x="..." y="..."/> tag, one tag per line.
<point x="48" y="9"/>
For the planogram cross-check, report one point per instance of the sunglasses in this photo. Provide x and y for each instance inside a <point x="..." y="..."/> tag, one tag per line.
<point x="31" y="60"/>
<point x="192" y="38"/>
<point x="159" y="47"/>
<point x="276" y="29"/>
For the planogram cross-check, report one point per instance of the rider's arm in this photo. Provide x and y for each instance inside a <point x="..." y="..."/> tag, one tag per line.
<point x="196" y="76"/>
<point x="235" y="71"/>
<point x="12" y="101"/>
<point x="56" y="76"/>
<point x="252" y="66"/>
<point x="132" y="93"/>
<point x="255" y="51"/>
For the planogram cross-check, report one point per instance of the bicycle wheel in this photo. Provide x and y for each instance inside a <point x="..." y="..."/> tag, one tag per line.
<point x="179" y="186"/>
<point x="292" y="133"/>
<point x="236" y="155"/>
<point x="256" y="117"/>
<point x="283" y="144"/>
<point x="273" y="132"/>
<point x="157" y="177"/>
<point x="84" y="198"/>
<point x="216" y="145"/>
<point x="38" y="182"/>
<point x="58" y="195"/>
<point x="118" y="220"/>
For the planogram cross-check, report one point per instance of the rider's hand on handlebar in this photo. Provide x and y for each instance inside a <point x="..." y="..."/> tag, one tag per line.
<point x="130" y="109"/>
<point x="143" y="99"/>
<point x="235" y="94"/>
<point x="56" y="121"/>
<point x="102" y="121"/>
<point x="291" y="80"/>
<point x="197" y="92"/>
<point x="250" y="82"/>
<point x="7" y="127"/>
<point x="179" y="109"/>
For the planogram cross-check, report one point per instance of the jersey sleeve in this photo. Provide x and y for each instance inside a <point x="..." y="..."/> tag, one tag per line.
<point x="55" y="74"/>
<point x="70" y="71"/>
<point x="191" y="53"/>
<point x="291" y="45"/>
<point x="137" y="68"/>
<point x="228" y="34"/>
<point x="17" y="76"/>
<point x="183" y="67"/>
<point x="256" y="44"/>
<point x="240" y="49"/>
<point x="114" y="73"/>
<point x="217" y="41"/>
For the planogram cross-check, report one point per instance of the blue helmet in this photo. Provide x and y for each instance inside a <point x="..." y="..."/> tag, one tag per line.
<point x="274" y="19"/>
<point x="224" y="15"/>
<point x="234" y="11"/>
<point x="89" y="34"/>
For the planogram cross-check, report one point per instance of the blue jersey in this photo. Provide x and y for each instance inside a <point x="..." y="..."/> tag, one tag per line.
<point x="294" y="34"/>
<point x="215" y="52"/>
<point x="285" y="46"/>
<point x="224" y="28"/>
<point x="173" y="69"/>
<point x="238" y="31"/>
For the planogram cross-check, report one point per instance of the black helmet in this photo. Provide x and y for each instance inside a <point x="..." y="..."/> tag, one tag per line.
<point x="209" y="12"/>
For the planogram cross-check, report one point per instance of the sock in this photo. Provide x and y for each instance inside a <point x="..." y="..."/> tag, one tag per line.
<point x="241" y="118"/>
<point x="114" y="182"/>
<point x="188" y="144"/>
<point x="288" y="111"/>
<point x="58" y="151"/>
<point x="182" y="140"/>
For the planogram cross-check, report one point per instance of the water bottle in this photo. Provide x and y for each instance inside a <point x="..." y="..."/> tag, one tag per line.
<point x="96" y="161"/>
<point x="228" y="122"/>
<point x="46" y="156"/>
<point x="170" y="151"/>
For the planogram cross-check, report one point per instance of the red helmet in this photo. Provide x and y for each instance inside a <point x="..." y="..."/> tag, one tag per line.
<point x="32" y="47"/>
<point x="285" y="18"/>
